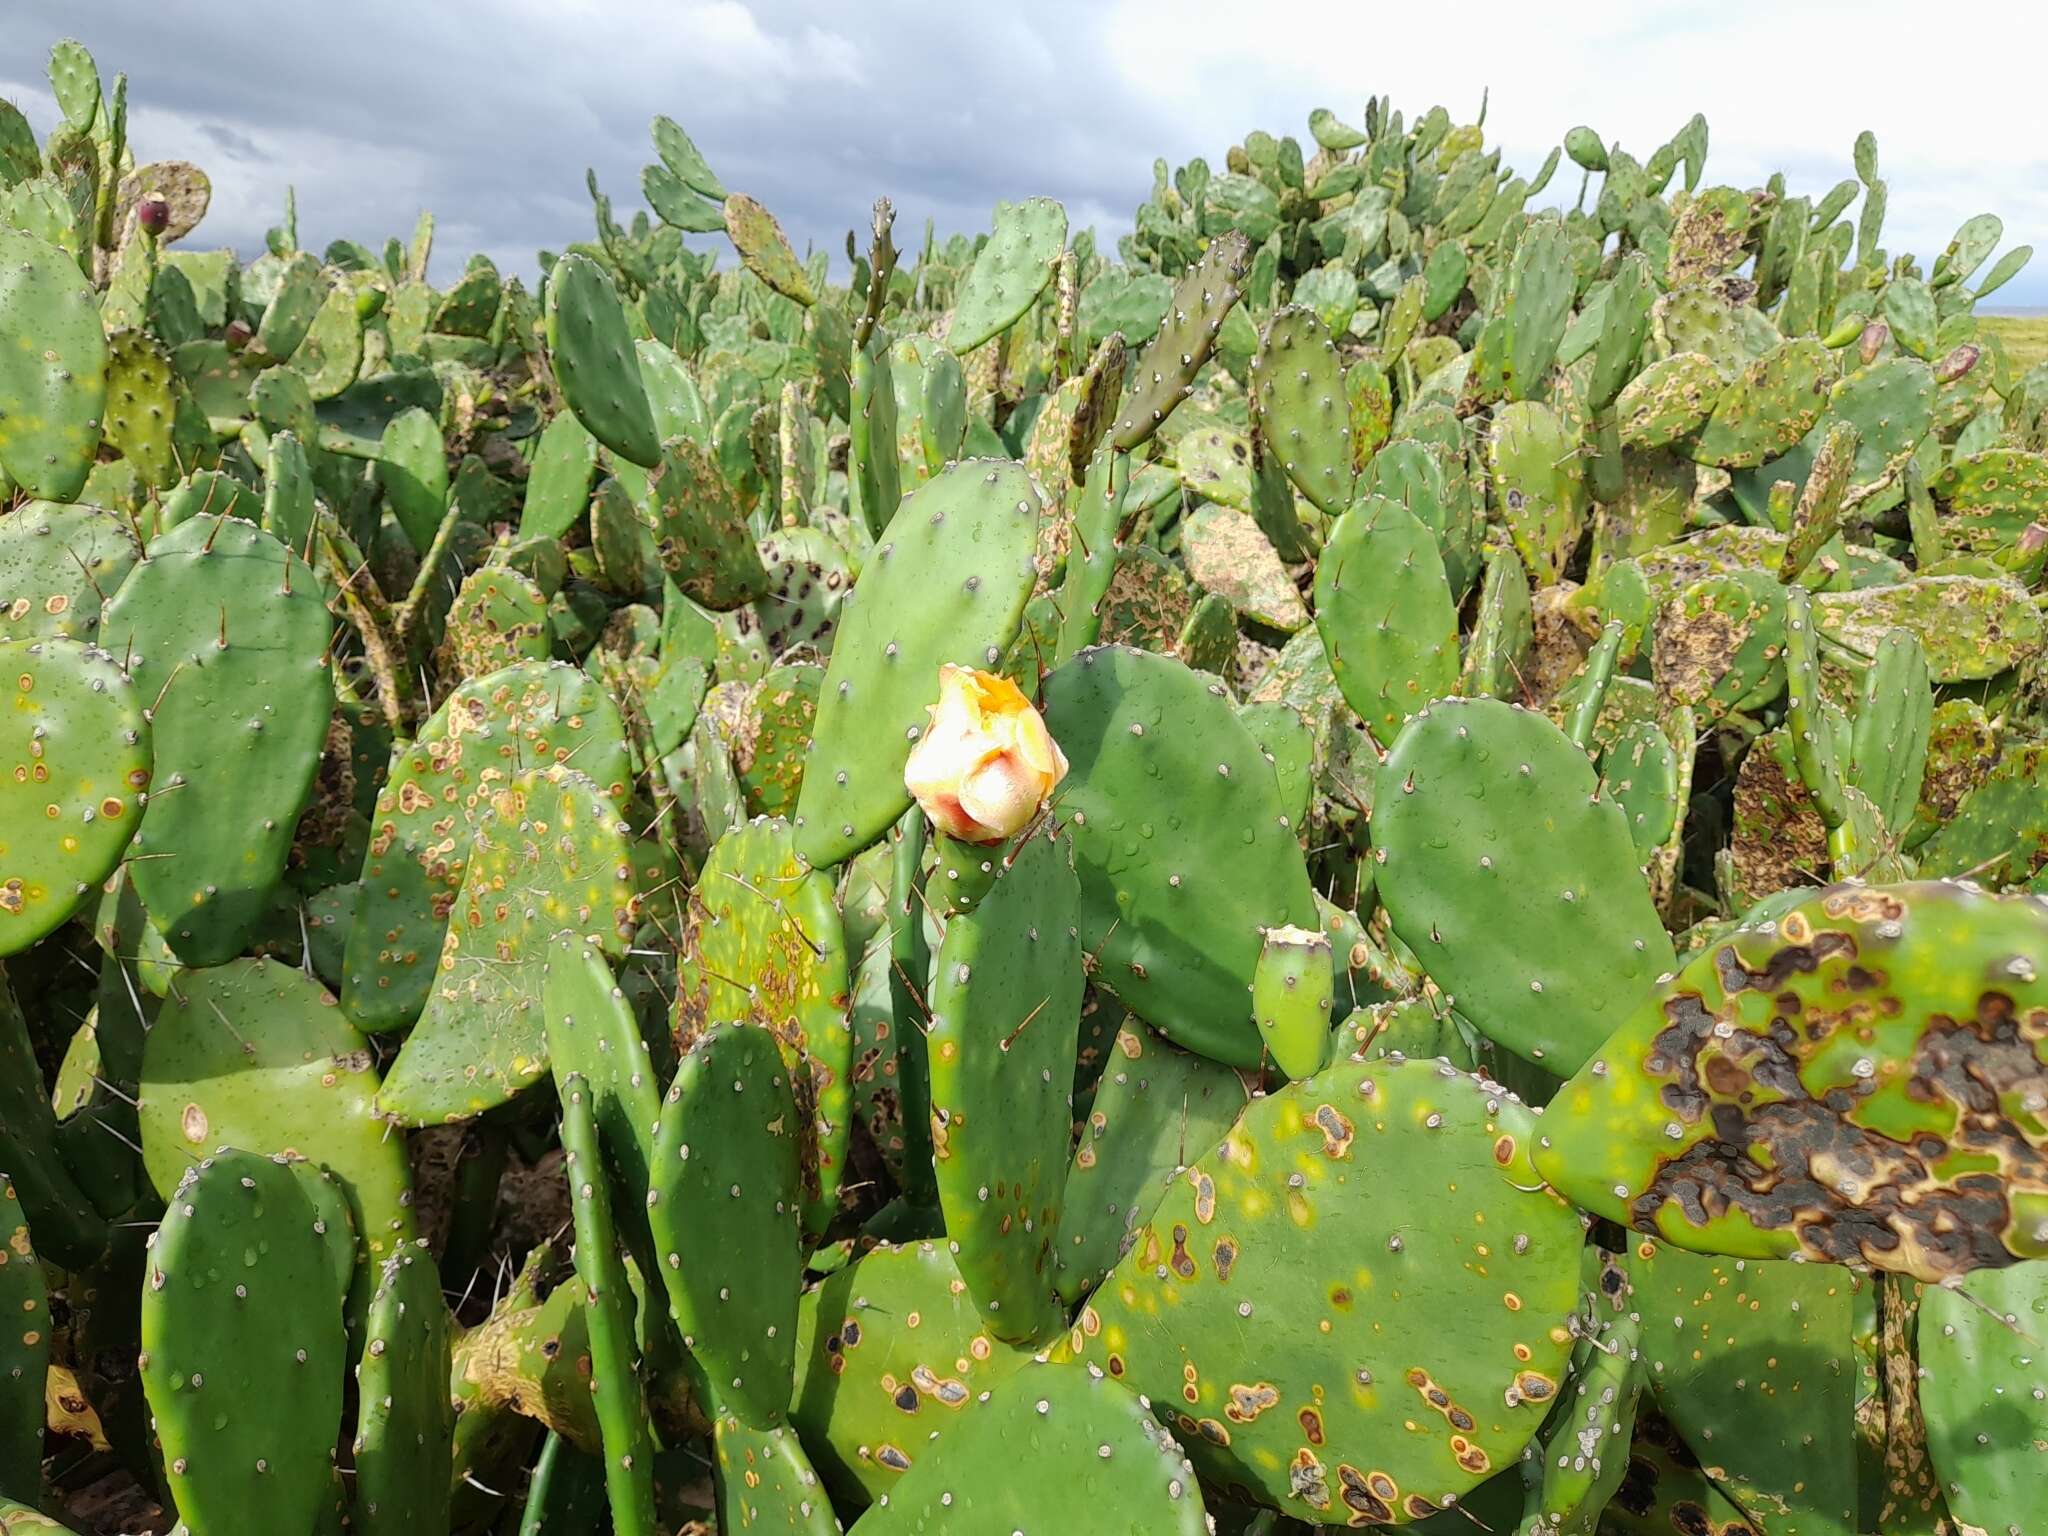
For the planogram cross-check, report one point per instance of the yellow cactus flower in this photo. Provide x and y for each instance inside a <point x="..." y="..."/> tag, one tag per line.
<point x="986" y="762"/>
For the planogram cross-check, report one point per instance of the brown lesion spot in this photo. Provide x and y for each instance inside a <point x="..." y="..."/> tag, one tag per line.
<point x="1248" y="1402"/>
<point x="1337" y="1131"/>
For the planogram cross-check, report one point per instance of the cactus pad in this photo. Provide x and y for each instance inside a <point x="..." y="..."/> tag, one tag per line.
<point x="226" y="630"/>
<point x="765" y="945"/>
<point x="723" y="1203"/>
<point x="947" y="583"/>
<point x="487" y="732"/>
<point x="1386" y="614"/>
<point x="548" y="855"/>
<point x="1326" y="1387"/>
<point x="1747" y="1108"/>
<point x="1005" y="1010"/>
<point x="243" y="1349"/>
<point x="53" y="392"/>
<point x="74" y="771"/>
<point x="1118" y="1469"/>
<point x="1514" y="880"/>
<point x="1180" y="840"/>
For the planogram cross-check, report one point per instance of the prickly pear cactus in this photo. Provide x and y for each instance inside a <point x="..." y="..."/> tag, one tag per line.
<point x="548" y="856"/>
<point x="724" y="1203"/>
<point x="946" y="583"/>
<point x="225" y="631"/>
<point x="1127" y="1472"/>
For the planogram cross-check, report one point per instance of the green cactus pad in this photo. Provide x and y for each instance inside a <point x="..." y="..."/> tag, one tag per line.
<point x="1514" y="880"/>
<point x="1005" y="1008"/>
<point x="1157" y="1111"/>
<point x="1009" y="272"/>
<point x="592" y="1032"/>
<point x="1746" y="1109"/>
<point x="498" y="619"/>
<point x="548" y="855"/>
<point x="723" y="1203"/>
<point x="1579" y="1460"/>
<point x="74" y="770"/>
<point x="1119" y="1471"/>
<point x="1539" y="485"/>
<point x="24" y="1353"/>
<point x="256" y="1055"/>
<point x="68" y="1229"/>
<point x="767" y="947"/>
<point x="1667" y="401"/>
<point x="1325" y="1385"/>
<point x="702" y="536"/>
<point x="558" y="486"/>
<point x="892" y="1355"/>
<point x="1750" y="1361"/>
<point x="53" y="393"/>
<point x="1165" y="374"/>
<point x="608" y="1311"/>
<point x="226" y="630"/>
<point x="1176" y="883"/>
<point x="595" y="365"/>
<point x="1297" y="387"/>
<point x="1640" y="772"/>
<point x="765" y="249"/>
<point x="765" y="1482"/>
<point x="948" y="583"/>
<point x="405" y="1425"/>
<point x="1980" y="1390"/>
<point x="1386" y="614"/>
<point x="488" y="731"/>
<point x="58" y="566"/>
<point x="1970" y="626"/>
<point x="1768" y="407"/>
<point x="243" y="1349"/>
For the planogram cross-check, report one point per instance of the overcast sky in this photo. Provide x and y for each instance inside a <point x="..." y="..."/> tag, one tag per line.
<point x="489" y="113"/>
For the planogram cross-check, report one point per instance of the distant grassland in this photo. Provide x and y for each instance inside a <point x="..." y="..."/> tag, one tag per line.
<point x="2025" y="337"/>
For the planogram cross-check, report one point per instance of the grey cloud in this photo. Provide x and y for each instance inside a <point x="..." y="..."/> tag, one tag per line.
<point x="490" y="115"/>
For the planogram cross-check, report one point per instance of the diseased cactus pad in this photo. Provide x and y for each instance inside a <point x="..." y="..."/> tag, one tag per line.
<point x="1861" y="1081"/>
<point x="1287" y="1303"/>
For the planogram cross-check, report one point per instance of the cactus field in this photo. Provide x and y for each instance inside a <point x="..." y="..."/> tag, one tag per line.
<point x="1372" y="854"/>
